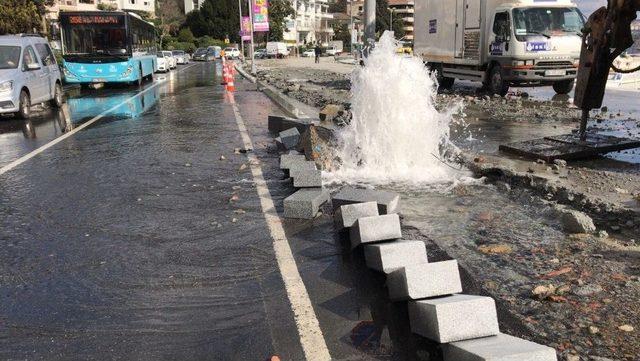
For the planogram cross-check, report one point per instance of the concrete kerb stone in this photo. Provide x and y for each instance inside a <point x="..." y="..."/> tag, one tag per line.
<point x="277" y="124"/>
<point x="305" y="203"/>
<point x="424" y="280"/>
<point x="454" y="318"/>
<point x="498" y="348"/>
<point x="306" y="178"/>
<point x="290" y="137"/>
<point x="387" y="201"/>
<point x="287" y="161"/>
<point x="388" y="257"/>
<point x="375" y="229"/>
<point x="347" y="215"/>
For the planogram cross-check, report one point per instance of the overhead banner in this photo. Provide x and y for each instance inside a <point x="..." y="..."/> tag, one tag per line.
<point x="245" y="27"/>
<point x="260" y="15"/>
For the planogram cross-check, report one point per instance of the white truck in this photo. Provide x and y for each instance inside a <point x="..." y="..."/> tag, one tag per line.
<point x="277" y="50"/>
<point x="500" y="42"/>
<point x="335" y="47"/>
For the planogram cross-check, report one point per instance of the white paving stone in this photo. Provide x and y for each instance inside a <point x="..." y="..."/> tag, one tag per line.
<point x="389" y="256"/>
<point x="347" y="215"/>
<point x="498" y="348"/>
<point x="375" y="229"/>
<point x="424" y="280"/>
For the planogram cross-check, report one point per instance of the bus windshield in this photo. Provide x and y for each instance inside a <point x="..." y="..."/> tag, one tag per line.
<point x="97" y="41"/>
<point x="547" y="21"/>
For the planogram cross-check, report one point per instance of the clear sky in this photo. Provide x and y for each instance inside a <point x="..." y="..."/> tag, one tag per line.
<point x="588" y="6"/>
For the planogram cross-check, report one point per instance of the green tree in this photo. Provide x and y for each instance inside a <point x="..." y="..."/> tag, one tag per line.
<point x="339" y="6"/>
<point x="169" y="18"/>
<point x="341" y="32"/>
<point x="382" y="20"/>
<point x="216" y="18"/>
<point x="186" y="36"/>
<point x="279" y="10"/>
<point x="20" y="16"/>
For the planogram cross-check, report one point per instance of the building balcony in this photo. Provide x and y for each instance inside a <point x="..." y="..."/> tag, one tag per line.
<point x="407" y="28"/>
<point x="408" y="20"/>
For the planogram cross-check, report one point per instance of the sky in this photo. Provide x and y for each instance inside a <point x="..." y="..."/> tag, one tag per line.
<point x="588" y="6"/>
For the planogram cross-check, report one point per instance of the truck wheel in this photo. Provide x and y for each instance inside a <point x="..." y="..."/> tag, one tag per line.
<point x="24" y="110"/>
<point x="56" y="102"/>
<point x="497" y="85"/>
<point x="563" y="86"/>
<point x="444" y="83"/>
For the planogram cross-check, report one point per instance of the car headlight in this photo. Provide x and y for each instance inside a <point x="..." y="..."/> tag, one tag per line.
<point x="128" y="72"/>
<point x="6" y="87"/>
<point x="68" y="74"/>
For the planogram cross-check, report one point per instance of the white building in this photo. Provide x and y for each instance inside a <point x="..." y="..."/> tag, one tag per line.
<point x="310" y="24"/>
<point x="190" y="5"/>
<point x="93" y="5"/>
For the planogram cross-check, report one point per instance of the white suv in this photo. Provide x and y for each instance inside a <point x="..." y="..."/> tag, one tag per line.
<point x="29" y="74"/>
<point x="232" y="53"/>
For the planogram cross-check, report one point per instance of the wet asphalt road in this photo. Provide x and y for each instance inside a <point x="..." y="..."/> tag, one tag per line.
<point x="123" y="241"/>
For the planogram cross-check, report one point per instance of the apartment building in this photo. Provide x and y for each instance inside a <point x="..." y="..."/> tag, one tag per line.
<point x="190" y="5"/>
<point x="310" y="24"/>
<point x="89" y="5"/>
<point x="404" y="9"/>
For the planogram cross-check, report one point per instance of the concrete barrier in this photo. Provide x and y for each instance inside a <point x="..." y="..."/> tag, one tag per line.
<point x="454" y="318"/>
<point x="288" y="160"/>
<point x="498" y="348"/>
<point x="305" y="203"/>
<point x="388" y="257"/>
<point x="306" y="178"/>
<point x="424" y="280"/>
<point x="290" y="138"/>
<point x="277" y="124"/>
<point x="347" y="215"/>
<point x="387" y="201"/>
<point x="375" y="229"/>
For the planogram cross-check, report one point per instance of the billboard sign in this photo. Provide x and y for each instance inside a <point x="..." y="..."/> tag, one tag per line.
<point x="260" y="15"/>
<point x="245" y="32"/>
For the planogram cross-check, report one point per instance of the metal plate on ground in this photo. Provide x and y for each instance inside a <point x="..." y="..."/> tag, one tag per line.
<point x="569" y="147"/>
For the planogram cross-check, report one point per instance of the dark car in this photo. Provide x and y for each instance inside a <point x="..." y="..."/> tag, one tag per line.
<point x="200" y="54"/>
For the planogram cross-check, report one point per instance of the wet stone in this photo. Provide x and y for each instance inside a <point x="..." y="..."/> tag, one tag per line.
<point x="498" y="348"/>
<point x="305" y="203"/>
<point x="375" y="229"/>
<point x="388" y="257"/>
<point x="288" y="160"/>
<point x="424" y="280"/>
<point x="387" y="201"/>
<point x="577" y="222"/>
<point x="290" y="138"/>
<point x="306" y="178"/>
<point x="347" y="215"/>
<point x="454" y="318"/>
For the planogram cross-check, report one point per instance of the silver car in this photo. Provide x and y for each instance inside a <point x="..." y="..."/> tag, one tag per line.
<point x="29" y="74"/>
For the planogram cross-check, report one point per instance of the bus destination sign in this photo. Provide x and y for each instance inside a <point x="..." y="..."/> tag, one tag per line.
<point x="95" y="19"/>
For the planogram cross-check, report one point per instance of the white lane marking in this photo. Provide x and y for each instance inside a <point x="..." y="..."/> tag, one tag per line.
<point x="41" y="149"/>
<point x="311" y="338"/>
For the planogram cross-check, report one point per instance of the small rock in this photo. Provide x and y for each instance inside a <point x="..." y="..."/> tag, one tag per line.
<point x="593" y="330"/>
<point x="187" y="164"/>
<point x="234" y="220"/>
<point x="479" y="159"/>
<point x="495" y="249"/>
<point x="540" y="161"/>
<point x="588" y="290"/>
<point x="222" y="157"/>
<point x="603" y="234"/>
<point x="242" y="167"/>
<point x="626" y="328"/>
<point x="573" y="358"/>
<point x="577" y="222"/>
<point x="560" y="162"/>
<point x="621" y="190"/>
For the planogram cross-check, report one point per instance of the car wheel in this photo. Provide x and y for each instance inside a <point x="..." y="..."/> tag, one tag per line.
<point x="497" y="85"/>
<point x="563" y="86"/>
<point x="56" y="101"/>
<point x="24" y="110"/>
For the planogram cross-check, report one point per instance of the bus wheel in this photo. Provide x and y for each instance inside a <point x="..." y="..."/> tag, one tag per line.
<point x="563" y="86"/>
<point x="497" y="85"/>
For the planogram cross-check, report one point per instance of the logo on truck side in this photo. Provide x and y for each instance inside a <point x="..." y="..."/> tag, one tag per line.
<point x="496" y="48"/>
<point x="433" y="26"/>
<point x="533" y="46"/>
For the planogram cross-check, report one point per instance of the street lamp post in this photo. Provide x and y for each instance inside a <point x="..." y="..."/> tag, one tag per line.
<point x="390" y="19"/>
<point x="253" y="59"/>
<point x="241" y="29"/>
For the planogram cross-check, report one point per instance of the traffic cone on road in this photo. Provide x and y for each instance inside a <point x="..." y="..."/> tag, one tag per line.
<point x="225" y="75"/>
<point x="230" y="85"/>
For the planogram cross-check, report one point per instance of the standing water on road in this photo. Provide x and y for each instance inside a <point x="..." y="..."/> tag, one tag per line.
<point x="396" y="134"/>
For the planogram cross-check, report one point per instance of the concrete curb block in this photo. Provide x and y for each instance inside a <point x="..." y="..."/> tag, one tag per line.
<point x="245" y="74"/>
<point x="375" y="229"/>
<point x="498" y="348"/>
<point x="387" y="201"/>
<point x="424" y="280"/>
<point x="388" y="257"/>
<point x="454" y="318"/>
<point x="347" y="215"/>
<point x="305" y="203"/>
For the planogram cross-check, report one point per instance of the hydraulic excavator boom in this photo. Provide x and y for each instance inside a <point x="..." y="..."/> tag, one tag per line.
<point x="606" y="35"/>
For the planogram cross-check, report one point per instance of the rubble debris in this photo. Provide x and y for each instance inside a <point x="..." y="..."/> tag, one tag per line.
<point x="577" y="222"/>
<point x="290" y="138"/>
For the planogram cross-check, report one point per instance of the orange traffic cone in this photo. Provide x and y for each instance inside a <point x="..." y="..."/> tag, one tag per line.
<point x="225" y="75"/>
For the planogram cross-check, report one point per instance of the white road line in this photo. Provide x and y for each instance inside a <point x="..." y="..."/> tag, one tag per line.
<point x="41" y="149"/>
<point x="311" y="338"/>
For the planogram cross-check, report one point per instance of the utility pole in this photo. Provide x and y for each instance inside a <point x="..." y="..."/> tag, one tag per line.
<point x="390" y="19"/>
<point x="369" y="22"/>
<point x="241" y="29"/>
<point x="253" y="62"/>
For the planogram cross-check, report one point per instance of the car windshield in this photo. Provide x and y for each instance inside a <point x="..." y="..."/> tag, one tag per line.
<point x="200" y="51"/>
<point x="9" y="57"/>
<point x="547" y="21"/>
<point x="229" y="49"/>
<point x="160" y="55"/>
<point x="177" y="52"/>
<point x="166" y="53"/>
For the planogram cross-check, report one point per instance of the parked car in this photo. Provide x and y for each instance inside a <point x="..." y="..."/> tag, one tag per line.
<point x="181" y="57"/>
<point x="232" y="53"/>
<point x="309" y="53"/>
<point x="163" y="63"/>
<point x="173" y="63"/>
<point x="29" y="74"/>
<point x="260" y="54"/>
<point x="200" y="54"/>
<point x="215" y="50"/>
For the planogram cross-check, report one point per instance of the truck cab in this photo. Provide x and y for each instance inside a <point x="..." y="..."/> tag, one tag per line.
<point x="535" y="43"/>
<point x="501" y="43"/>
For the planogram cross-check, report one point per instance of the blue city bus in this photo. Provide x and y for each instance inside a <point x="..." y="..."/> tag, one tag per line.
<point x="107" y="47"/>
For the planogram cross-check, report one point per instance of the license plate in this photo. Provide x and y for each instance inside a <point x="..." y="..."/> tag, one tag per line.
<point x="99" y="80"/>
<point x="555" y="72"/>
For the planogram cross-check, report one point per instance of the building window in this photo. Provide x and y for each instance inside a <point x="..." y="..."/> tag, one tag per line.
<point x="133" y="2"/>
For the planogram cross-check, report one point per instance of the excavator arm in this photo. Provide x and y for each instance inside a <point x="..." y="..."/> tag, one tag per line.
<point x="606" y="35"/>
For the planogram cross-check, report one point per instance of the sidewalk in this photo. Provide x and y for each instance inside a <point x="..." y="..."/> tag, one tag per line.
<point x="326" y="63"/>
